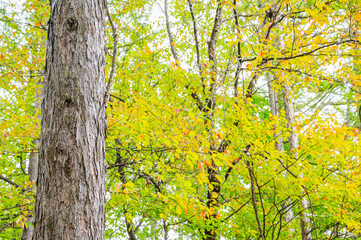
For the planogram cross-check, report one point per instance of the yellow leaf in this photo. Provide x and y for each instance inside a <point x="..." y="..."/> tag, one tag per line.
<point x="214" y="195"/>
<point x="178" y="210"/>
<point x="138" y="146"/>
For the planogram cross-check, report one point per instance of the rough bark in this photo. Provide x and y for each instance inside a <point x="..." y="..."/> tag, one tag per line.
<point x="71" y="178"/>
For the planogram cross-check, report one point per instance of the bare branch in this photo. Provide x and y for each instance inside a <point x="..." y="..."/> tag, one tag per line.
<point x="114" y="58"/>
<point x="304" y="53"/>
<point x="170" y="35"/>
<point x="213" y="40"/>
<point x="9" y="181"/>
<point x="239" y="56"/>
<point x="235" y="212"/>
<point x="254" y="202"/>
<point x="174" y="53"/>
<point x="195" y="30"/>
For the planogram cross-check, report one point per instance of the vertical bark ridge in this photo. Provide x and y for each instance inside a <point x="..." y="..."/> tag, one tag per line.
<point x="71" y="182"/>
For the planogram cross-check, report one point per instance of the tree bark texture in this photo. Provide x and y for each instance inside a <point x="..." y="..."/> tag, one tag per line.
<point x="71" y="177"/>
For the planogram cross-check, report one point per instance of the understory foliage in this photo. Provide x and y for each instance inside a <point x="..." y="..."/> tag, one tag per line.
<point x="232" y="119"/>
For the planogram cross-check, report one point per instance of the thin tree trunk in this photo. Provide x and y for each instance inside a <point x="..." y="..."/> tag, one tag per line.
<point x="254" y="200"/>
<point x="130" y="229"/>
<point x="279" y="145"/>
<point x="208" y="107"/>
<point x="305" y="221"/>
<point x="289" y="215"/>
<point x="273" y="98"/>
<point x="211" y="233"/>
<point x="71" y="178"/>
<point x="166" y="230"/>
<point x="28" y="231"/>
<point x="293" y="140"/>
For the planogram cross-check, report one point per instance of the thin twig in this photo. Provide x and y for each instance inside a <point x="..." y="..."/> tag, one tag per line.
<point x="243" y="205"/>
<point x="304" y="53"/>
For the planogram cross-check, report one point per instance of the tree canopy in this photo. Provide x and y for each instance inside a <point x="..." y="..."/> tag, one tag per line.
<point x="233" y="119"/>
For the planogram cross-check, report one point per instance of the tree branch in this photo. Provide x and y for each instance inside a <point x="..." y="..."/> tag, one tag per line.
<point x="170" y="35"/>
<point x="305" y="53"/>
<point x="175" y="55"/>
<point x="195" y="30"/>
<point x="114" y="57"/>
<point x="239" y="56"/>
<point x="251" y="174"/>
<point x="9" y="181"/>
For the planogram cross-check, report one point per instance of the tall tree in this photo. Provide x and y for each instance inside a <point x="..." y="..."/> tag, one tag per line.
<point x="196" y="145"/>
<point x="71" y="181"/>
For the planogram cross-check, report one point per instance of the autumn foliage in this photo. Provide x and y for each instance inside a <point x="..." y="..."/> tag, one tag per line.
<point x="237" y="119"/>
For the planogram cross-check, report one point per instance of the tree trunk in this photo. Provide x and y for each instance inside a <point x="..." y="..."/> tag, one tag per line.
<point x="28" y="232"/>
<point x="273" y="99"/>
<point x="279" y="145"/>
<point x="293" y="140"/>
<point x="71" y="178"/>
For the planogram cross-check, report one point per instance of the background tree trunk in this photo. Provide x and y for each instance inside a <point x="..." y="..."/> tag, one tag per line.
<point x="28" y="232"/>
<point x="306" y="230"/>
<point x="71" y="178"/>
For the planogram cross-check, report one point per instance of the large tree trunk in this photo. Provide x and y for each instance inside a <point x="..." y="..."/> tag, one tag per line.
<point x="71" y="178"/>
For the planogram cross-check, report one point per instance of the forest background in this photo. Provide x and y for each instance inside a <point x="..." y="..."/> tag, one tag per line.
<point x="227" y="119"/>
